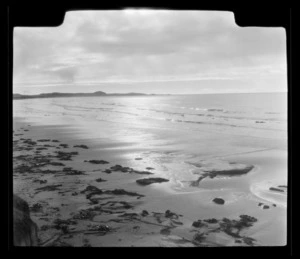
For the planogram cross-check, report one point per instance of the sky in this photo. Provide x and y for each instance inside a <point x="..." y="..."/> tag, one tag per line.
<point x="149" y="51"/>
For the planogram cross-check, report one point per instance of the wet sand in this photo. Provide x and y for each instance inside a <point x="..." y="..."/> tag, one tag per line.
<point x="90" y="204"/>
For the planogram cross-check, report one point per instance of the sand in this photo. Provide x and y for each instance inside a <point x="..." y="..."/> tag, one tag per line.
<point x="158" y="214"/>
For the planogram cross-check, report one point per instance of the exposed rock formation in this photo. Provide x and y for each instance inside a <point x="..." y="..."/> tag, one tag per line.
<point x="24" y="229"/>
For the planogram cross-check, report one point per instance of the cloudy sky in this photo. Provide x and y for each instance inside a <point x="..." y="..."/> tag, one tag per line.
<point x="149" y="51"/>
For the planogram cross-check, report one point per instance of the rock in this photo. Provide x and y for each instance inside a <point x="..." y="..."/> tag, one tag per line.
<point x="147" y="181"/>
<point x="129" y="215"/>
<point x="165" y="231"/>
<point x="107" y="171"/>
<point x="99" y="180"/>
<point x="275" y="189"/>
<point x="97" y="161"/>
<point x="100" y="228"/>
<point x="138" y="158"/>
<point x="218" y="201"/>
<point x="274" y="205"/>
<point x="211" y="221"/>
<point x="246" y="218"/>
<point x="249" y="241"/>
<point x="170" y="214"/>
<point x="81" y="146"/>
<point x="65" y="156"/>
<point x="266" y="207"/>
<point x="36" y="207"/>
<point x="231" y="172"/>
<point x="198" y="224"/>
<point x="64" y="145"/>
<point x="123" y="192"/>
<point x="144" y="213"/>
<point x="43" y="140"/>
<point x="149" y="168"/>
<point x="199" y="237"/>
<point x="259" y="204"/>
<point x="84" y="215"/>
<point x="24" y="229"/>
<point x="49" y="188"/>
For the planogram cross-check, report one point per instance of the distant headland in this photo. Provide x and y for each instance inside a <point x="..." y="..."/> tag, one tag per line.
<point x="56" y="95"/>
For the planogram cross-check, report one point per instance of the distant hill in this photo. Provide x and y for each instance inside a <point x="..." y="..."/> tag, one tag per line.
<point x="56" y="94"/>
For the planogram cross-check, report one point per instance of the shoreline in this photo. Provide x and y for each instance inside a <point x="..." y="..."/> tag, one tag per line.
<point x="153" y="202"/>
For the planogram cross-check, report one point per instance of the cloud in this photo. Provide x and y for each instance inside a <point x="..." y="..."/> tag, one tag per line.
<point x="147" y="45"/>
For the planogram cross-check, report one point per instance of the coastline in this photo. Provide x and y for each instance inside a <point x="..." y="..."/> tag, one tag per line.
<point x="192" y="203"/>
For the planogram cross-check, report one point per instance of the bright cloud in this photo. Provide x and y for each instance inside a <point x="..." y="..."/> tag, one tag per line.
<point x="116" y="50"/>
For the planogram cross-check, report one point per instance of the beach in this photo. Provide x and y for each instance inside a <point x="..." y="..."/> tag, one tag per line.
<point x="153" y="171"/>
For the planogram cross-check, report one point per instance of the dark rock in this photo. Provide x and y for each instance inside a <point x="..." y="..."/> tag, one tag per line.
<point x="259" y="204"/>
<point x="43" y="140"/>
<point x="65" y="156"/>
<point x="141" y="172"/>
<point x="199" y="237"/>
<point x="275" y="189"/>
<point x="231" y="172"/>
<point x="64" y="145"/>
<point x="107" y="171"/>
<point x="274" y="205"/>
<point x="91" y="188"/>
<point x="170" y="214"/>
<point x="24" y="229"/>
<point x="49" y="188"/>
<point x="123" y="192"/>
<point x="75" y="172"/>
<point x="144" y="213"/>
<point x="55" y="140"/>
<point x="29" y="142"/>
<point x="211" y="221"/>
<point x="218" y="201"/>
<point x="37" y="207"/>
<point x="266" y="207"/>
<point x="149" y="168"/>
<point x="165" y="231"/>
<point x="198" y="224"/>
<point x="46" y="145"/>
<point x="85" y="215"/>
<point x="99" y="180"/>
<point x="67" y="169"/>
<point x="100" y="228"/>
<point x="147" y="181"/>
<point x="63" y="225"/>
<point x="74" y="193"/>
<point x="97" y="162"/>
<point x="249" y="241"/>
<point x="81" y="146"/>
<point x="138" y="158"/>
<point x="129" y="215"/>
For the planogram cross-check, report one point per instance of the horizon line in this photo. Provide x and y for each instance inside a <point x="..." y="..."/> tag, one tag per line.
<point x="153" y="93"/>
